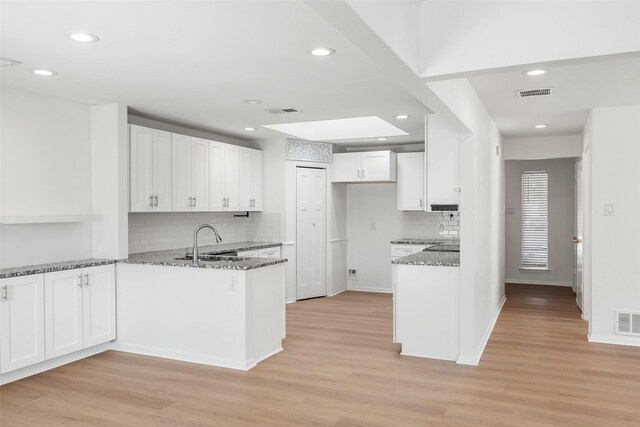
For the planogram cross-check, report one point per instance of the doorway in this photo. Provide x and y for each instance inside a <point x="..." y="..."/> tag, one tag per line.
<point x="578" y="236"/>
<point x="311" y="232"/>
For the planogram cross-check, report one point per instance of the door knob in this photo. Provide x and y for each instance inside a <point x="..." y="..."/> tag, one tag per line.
<point x="576" y="239"/>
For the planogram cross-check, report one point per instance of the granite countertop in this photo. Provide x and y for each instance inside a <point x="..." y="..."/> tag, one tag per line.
<point x="431" y="258"/>
<point x="48" y="268"/>
<point x="423" y="241"/>
<point x="232" y="247"/>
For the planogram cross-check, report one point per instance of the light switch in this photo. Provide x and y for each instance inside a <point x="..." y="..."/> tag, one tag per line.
<point x="609" y="210"/>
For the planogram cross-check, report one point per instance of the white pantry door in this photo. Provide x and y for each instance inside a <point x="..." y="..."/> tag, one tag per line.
<point x="311" y="232"/>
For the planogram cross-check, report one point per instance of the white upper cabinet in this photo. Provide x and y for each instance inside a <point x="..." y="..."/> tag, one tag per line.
<point x="150" y="169"/>
<point x="190" y="174"/>
<point x="22" y="337"/>
<point x="217" y="195"/>
<point x="411" y="195"/>
<point x="443" y="163"/>
<point x="370" y="166"/>
<point x="255" y="178"/>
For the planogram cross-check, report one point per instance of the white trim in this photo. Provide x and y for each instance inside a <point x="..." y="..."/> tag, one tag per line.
<point x="53" y="363"/>
<point x="533" y="269"/>
<point x="615" y="340"/>
<point x="290" y="300"/>
<point x="475" y="359"/>
<point x="368" y="289"/>
<point x="538" y="282"/>
<point x="342" y="239"/>
<point x="288" y="243"/>
<point x="338" y="292"/>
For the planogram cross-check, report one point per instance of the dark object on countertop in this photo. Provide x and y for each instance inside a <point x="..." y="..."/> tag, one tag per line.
<point x="444" y="208"/>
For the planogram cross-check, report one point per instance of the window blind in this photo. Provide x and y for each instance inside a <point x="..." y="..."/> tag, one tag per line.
<point x="535" y="219"/>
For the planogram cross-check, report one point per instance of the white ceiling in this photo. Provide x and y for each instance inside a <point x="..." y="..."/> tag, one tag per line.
<point x="577" y="88"/>
<point x="193" y="63"/>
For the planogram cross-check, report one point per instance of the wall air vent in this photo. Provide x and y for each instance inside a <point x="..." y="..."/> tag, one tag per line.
<point x="627" y="323"/>
<point x="527" y="93"/>
<point x="281" y="110"/>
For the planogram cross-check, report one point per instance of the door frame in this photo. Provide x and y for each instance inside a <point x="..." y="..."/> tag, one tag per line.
<point x="290" y="220"/>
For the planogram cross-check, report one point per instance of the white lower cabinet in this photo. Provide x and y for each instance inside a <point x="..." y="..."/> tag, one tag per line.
<point x="262" y="253"/>
<point x="22" y="337"/>
<point x="79" y="309"/>
<point x="399" y="251"/>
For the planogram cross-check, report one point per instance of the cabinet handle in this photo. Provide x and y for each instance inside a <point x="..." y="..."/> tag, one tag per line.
<point x="151" y="201"/>
<point x="421" y="202"/>
<point x="86" y="279"/>
<point x="195" y="202"/>
<point x="80" y="281"/>
<point x="190" y="198"/>
<point x="5" y="293"/>
<point x="156" y="199"/>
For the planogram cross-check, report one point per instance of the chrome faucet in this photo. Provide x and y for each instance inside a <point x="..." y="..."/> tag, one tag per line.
<point x="195" y="240"/>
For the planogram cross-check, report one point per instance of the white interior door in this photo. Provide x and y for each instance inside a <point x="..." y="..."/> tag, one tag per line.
<point x="311" y="232"/>
<point x="99" y="305"/>
<point x="577" y="239"/>
<point x="63" y="312"/>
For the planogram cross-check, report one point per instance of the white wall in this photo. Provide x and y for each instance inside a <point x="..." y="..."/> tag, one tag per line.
<point x="481" y="217"/>
<point x="455" y="34"/>
<point x="544" y="147"/>
<point x="46" y="170"/>
<point x="561" y="221"/>
<point x="615" y="270"/>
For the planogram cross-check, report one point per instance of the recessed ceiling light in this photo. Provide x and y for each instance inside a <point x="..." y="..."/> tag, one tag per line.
<point x="402" y="116"/>
<point x="540" y="126"/>
<point x="322" y="51"/>
<point x="535" y="72"/>
<point x="249" y="129"/>
<point x="83" y="37"/>
<point x="252" y="101"/>
<point x="382" y="139"/>
<point x="43" y="72"/>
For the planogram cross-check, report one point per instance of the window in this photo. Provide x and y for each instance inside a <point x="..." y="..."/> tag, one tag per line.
<point x="535" y="220"/>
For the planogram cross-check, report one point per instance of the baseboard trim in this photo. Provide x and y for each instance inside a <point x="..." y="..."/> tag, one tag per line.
<point x="47" y="365"/>
<point x="538" y="282"/>
<point x="475" y="359"/>
<point x="614" y="340"/>
<point x="366" y="289"/>
<point x="337" y="292"/>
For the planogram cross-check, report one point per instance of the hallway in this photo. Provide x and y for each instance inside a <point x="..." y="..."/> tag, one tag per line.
<point x="340" y="368"/>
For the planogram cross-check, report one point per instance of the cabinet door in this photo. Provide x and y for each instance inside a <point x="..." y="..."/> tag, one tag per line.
<point x="269" y="253"/>
<point x="200" y="174"/>
<point x="21" y="322"/>
<point x="244" y="179"/>
<point x="443" y="162"/>
<point x="162" y="170"/>
<point x="252" y="254"/>
<point x="411" y="182"/>
<point x="63" y="312"/>
<point x="256" y="179"/>
<point x="217" y="197"/>
<point x="181" y="198"/>
<point x="141" y="146"/>
<point x="378" y="166"/>
<point x="346" y="167"/>
<point x="99" y="305"/>
<point x="232" y="176"/>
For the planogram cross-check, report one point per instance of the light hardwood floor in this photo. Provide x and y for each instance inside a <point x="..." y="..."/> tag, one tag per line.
<point x="340" y="368"/>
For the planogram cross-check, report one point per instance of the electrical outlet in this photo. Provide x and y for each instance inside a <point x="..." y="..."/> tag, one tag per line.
<point x="353" y="274"/>
<point x="609" y="209"/>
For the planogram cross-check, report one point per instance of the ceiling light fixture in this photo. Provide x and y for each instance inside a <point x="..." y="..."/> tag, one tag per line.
<point x="540" y="126"/>
<point x="249" y="129"/>
<point x="537" y="72"/>
<point x="252" y="101"/>
<point x="43" y="72"/>
<point x="83" y="37"/>
<point x="322" y="51"/>
<point x="402" y="116"/>
<point x="382" y="139"/>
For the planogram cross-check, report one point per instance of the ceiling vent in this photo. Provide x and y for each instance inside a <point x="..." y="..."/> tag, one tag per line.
<point x="627" y="323"/>
<point x="281" y="110"/>
<point x="8" y="62"/>
<point x="527" y="93"/>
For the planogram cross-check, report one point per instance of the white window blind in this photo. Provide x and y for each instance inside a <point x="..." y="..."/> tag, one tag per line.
<point x="535" y="219"/>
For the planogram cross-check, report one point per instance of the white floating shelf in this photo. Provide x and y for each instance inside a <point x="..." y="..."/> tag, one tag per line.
<point x="47" y="219"/>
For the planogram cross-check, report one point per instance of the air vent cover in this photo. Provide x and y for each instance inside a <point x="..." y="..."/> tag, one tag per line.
<point x="526" y="93"/>
<point x="281" y="110"/>
<point x="627" y="323"/>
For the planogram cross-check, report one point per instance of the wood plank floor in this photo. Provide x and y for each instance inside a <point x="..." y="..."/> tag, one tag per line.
<point x="339" y="368"/>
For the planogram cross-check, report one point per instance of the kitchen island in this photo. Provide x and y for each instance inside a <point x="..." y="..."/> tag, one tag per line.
<point x="226" y="312"/>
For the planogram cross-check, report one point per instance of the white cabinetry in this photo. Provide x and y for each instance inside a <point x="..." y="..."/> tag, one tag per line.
<point x="224" y="165"/>
<point x="150" y="169"/>
<point x="250" y="180"/>
<point x="442" y="152"/>
<point x="262" y="253"/>
<point x="190" y="174"/>
<point x="369" y="166"/>
<point x="79" y="309"/>
<point x="411" y="195"/>
<point x="22" y="337"/>
<point x="399" y="251"/>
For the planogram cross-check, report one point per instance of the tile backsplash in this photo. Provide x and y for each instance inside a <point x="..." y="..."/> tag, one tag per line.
<point x="171" y="230"/>
<point x="431" y="224"/>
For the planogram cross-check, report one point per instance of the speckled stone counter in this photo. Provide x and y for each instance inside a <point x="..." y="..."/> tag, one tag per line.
<point x="48" y="268"/>
<point x="168" y="257"/>
<point x="429" y="258"/>
<point x="425" y="241"/>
